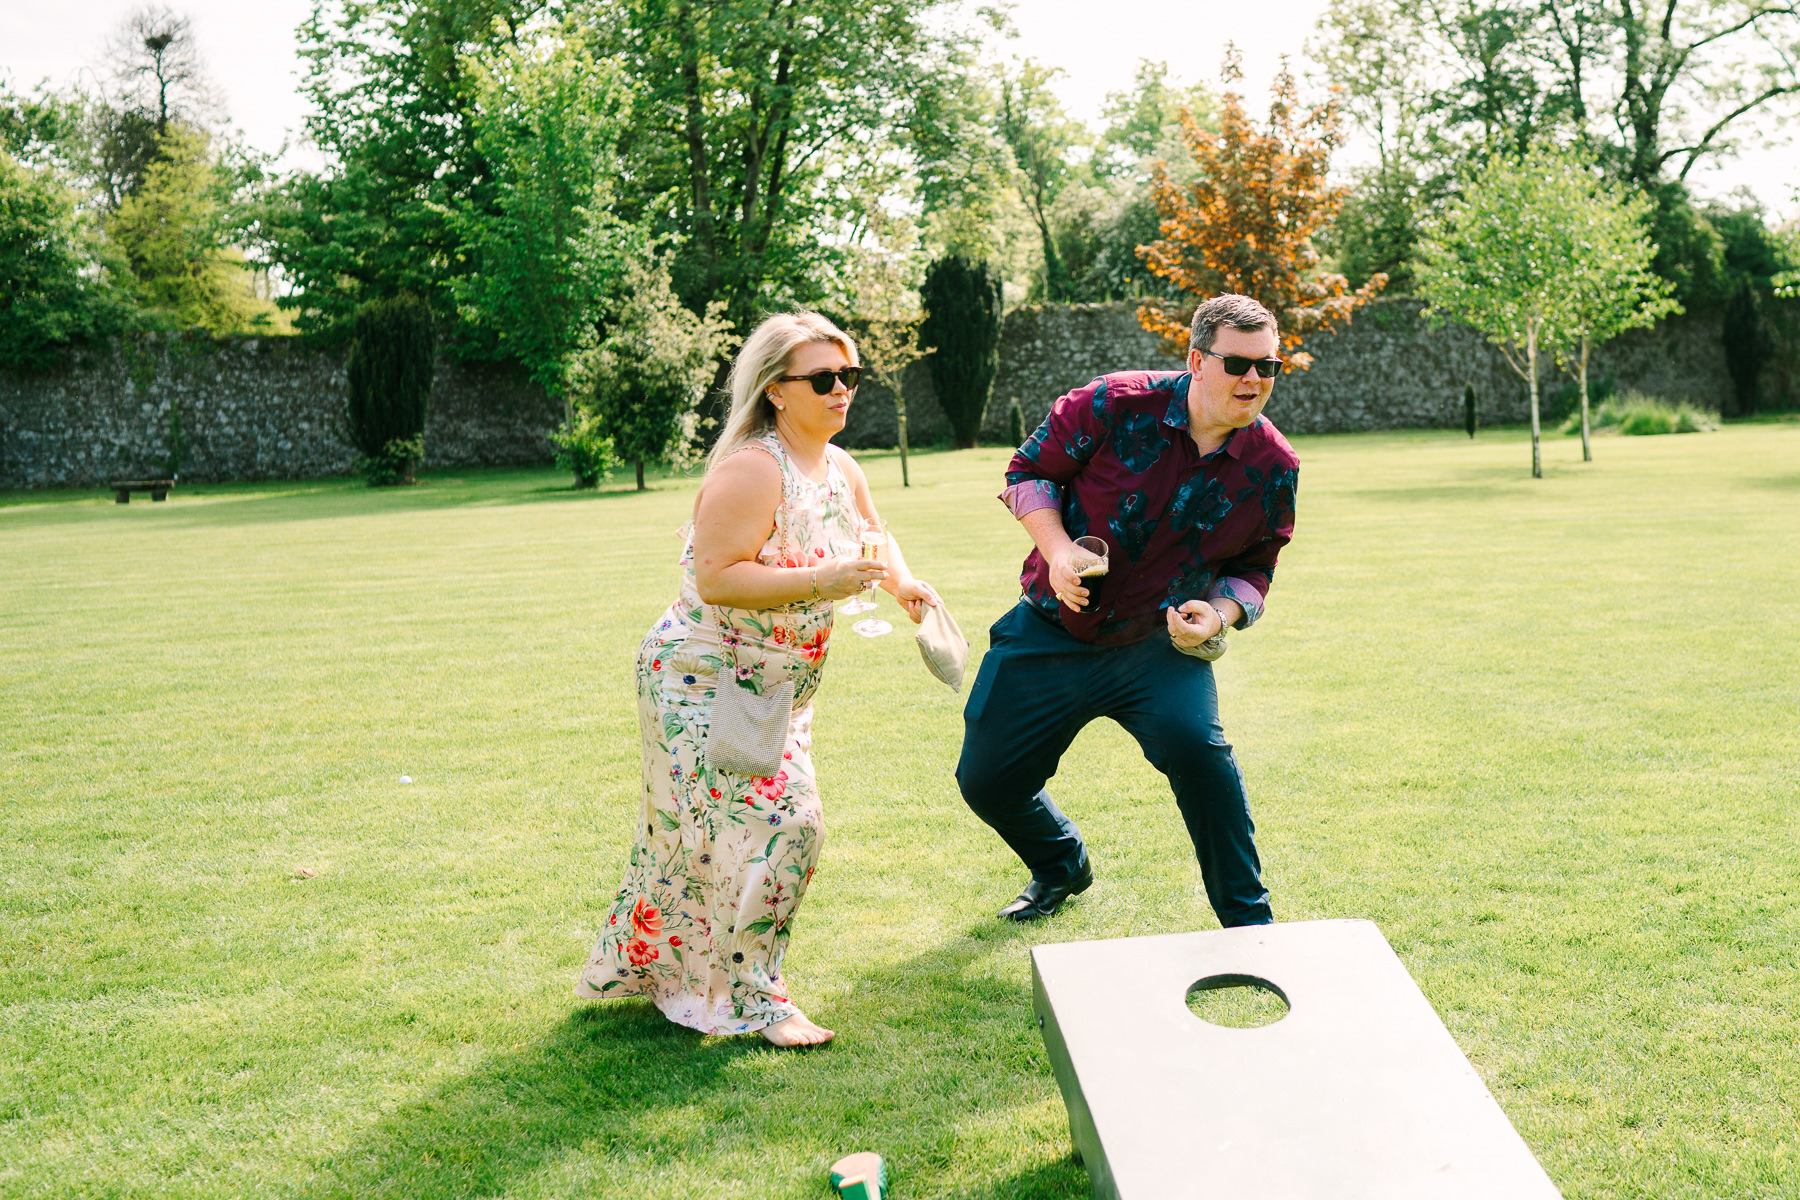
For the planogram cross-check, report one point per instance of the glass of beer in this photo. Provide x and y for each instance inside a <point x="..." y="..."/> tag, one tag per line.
<point x="1089" y="561"/>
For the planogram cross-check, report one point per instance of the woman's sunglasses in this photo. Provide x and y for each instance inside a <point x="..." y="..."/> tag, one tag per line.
<point x="822" y="380"/>
<point x="1237" y="365"/>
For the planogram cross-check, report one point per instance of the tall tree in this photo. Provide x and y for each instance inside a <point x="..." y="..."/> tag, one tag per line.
<point x="1042" y="138"/>
<point x="1506" y="257"/>
<point x="886" y="302"/>
<point x="393" y="357"/>
<point x="1246" y="222"/>
<point x="547" y="255"/>
<point x="1107" y="210"/>
<point x="962" y="324"/>
<point x="392" y="113"/>
<point x="153" y="81"/>
<point x="741" y="106"/>
<point x="157" y="69"/>
<point x="1654" y="89"/>
<point x="1382" y="72"/>
<point x="175" y="231"/>
<point x="1612" y="285"/>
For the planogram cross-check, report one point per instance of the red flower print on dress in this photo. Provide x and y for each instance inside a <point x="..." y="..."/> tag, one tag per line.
<point x="771" y="789"/>
<point x="646" y="918"/>
<point x="814" y="649"/>
<point x="674" y="941"/>
<point x="640" y="952"/>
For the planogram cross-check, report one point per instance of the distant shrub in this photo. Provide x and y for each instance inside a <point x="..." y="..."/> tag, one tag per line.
<point x="389" y="370"/>
<point x="583" y="450"/>
<point x="1633" y="413"/>
<point x="1015" y="425"/>
<point x="1565" y="401"/>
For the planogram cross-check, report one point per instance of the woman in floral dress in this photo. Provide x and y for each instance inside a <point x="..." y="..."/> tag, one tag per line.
<point x="721" y="861"/>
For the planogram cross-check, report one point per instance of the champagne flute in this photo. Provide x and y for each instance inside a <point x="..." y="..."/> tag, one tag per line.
<point x="874" y="546"/>
<point x="872" y="539"/>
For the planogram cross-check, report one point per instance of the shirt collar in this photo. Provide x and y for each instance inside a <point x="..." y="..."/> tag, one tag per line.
<point x="1177" y="418"/>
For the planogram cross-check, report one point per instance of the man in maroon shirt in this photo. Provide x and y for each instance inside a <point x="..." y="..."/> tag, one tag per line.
<point x="1192" y="489"/>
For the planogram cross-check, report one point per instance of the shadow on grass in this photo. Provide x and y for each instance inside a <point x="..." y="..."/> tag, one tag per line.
<point x="323" y="499"/>
<point x="926" y="1046"/>
<point x="579" y="1085"/>
<point x="1777" y="483"/>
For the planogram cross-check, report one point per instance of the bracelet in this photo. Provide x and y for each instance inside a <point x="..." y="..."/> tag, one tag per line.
<point x="1223" y="623"/>
<point x="815" y="585"/>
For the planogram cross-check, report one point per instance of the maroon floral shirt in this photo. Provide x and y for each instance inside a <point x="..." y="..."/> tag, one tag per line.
<point x="1115" y="457"/>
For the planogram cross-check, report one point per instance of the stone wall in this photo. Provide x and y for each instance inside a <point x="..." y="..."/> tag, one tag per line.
<point x="247" y="408"/>
<point x="260" y="408"/>
<point x="1389" y="369"/>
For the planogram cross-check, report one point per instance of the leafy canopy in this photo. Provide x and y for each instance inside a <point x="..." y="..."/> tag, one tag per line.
<point x="176" y="232"/>
<point x="57" y="281"/>
<point x="546" y="255"/>
<point x="1246" y="222"/>
<point x="1507" y="257"/>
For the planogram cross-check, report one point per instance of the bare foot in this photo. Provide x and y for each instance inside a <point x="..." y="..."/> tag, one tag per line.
<point x="797" y="1030"/>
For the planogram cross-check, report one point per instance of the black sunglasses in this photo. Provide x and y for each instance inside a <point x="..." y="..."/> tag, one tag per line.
<point x="821" y="380"/>
<point x="1237" y="365"/>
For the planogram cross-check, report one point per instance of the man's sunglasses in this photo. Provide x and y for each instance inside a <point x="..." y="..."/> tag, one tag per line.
<point x="1237" y="365"/>
<point x="822" y="380"/>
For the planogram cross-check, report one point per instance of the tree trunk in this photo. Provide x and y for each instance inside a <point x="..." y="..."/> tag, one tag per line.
<point x="900" y="419"/>
<point x="640" y="474"/>
<point x="1587" y="454"/>
<point x="1531" y="333"/>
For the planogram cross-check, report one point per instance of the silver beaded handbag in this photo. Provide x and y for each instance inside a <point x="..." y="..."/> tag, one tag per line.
<point x="747" y="733"/>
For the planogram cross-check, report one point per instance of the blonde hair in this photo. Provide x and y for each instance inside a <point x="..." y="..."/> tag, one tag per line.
<point x="762" y="360"/>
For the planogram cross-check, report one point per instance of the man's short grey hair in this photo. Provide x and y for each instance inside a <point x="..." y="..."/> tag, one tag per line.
<point x="1239" y="312"/>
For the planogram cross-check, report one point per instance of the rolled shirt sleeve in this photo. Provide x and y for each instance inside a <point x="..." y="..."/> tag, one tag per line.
<point x="1057" y="451"/>
<point x="1246" y="577"/>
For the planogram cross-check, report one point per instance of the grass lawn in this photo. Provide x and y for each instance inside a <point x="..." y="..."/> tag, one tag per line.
<point x="1546" y="733"/>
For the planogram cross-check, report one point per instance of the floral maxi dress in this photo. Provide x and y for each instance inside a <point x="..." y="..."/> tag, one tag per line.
<point x="721" y="861"/>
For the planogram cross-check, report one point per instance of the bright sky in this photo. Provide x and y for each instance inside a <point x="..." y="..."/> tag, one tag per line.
<point x="250" y="50"/>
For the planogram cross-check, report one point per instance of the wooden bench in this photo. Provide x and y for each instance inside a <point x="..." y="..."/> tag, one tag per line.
<point x="158" y="488"/>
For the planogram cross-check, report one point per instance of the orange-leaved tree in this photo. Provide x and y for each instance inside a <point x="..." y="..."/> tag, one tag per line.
<point x="1246" y="222"/>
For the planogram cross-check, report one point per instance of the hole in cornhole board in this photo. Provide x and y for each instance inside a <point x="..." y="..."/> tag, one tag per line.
<point x="1237" y="1001"/>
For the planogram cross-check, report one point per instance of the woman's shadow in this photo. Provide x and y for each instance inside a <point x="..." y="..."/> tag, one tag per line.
<point x="617" y="1081"/>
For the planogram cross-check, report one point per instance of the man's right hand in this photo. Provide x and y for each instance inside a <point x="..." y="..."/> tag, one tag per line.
<point x="1065" y="582"/>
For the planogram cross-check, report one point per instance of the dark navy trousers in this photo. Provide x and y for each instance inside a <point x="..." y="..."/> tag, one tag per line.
<point x="1038" y="687"/>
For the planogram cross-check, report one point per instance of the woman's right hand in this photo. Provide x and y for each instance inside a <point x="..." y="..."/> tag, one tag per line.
<point x="842" y="578"/>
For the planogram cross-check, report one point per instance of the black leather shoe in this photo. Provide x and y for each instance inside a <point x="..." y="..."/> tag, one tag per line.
<point x="1040" y="899"/>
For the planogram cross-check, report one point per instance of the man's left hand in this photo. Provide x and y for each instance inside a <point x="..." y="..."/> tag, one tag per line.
<point x="1193" y="623"/>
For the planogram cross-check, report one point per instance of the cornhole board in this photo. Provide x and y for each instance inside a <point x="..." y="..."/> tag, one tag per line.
<point x="1357" y="1093"/>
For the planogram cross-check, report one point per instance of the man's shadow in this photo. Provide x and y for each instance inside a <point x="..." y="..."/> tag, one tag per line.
<point x="617" y="1081"/>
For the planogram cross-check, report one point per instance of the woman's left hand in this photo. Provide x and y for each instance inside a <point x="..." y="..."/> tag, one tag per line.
<point x="914" y="595"/>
